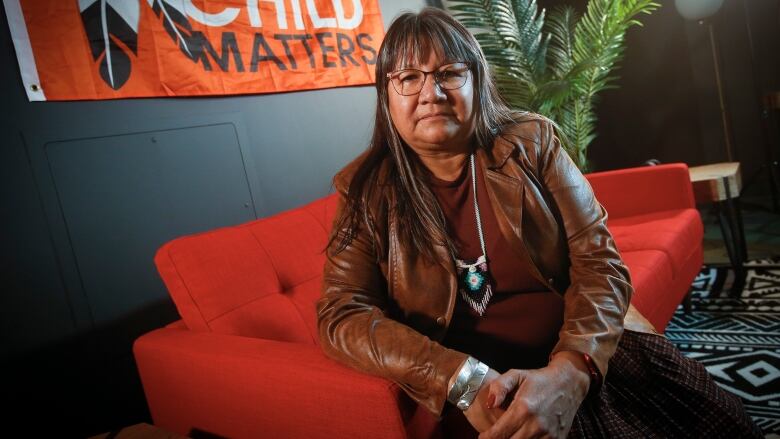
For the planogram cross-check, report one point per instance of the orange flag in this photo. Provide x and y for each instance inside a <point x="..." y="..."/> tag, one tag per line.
<point x="109" y="49"/>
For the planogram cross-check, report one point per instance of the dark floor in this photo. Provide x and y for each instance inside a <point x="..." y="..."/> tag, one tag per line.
<point x="762" y="231"/>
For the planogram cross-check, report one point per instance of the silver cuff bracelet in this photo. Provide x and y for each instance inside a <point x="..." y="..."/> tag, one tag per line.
<point x="467" y="383"/>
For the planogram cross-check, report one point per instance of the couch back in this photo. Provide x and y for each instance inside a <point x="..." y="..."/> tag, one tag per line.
<point x="629" y="191"/>
<point x="262" y="278"/>
<point x="257" y="279"/>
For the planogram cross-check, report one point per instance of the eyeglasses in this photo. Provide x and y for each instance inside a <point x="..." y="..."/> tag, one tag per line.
<point x="407" y="82"/>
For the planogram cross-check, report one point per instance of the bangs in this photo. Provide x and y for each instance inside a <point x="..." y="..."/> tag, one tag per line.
<point x="413" y="39"/>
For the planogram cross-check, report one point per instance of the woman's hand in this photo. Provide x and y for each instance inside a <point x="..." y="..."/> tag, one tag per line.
<point x="480" y="413"/>
<point x="545" y="400"/>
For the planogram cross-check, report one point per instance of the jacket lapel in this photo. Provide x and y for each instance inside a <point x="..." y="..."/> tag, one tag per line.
<point x="445" y="259"/>
<point x="506" y="198"/>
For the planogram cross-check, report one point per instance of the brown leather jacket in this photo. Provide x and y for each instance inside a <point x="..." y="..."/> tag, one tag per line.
<point x="387" y="318"/>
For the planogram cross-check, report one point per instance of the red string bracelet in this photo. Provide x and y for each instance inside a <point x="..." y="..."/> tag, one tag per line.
<point x="595" y="375"/>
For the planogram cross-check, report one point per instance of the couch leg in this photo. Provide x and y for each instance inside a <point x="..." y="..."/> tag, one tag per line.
<point x="687" y="303"/>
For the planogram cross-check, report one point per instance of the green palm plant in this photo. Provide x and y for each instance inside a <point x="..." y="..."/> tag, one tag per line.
<point x="553" y="64"/>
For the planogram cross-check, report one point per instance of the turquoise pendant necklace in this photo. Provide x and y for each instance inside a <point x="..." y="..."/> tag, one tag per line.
<point x="474" y="281"/>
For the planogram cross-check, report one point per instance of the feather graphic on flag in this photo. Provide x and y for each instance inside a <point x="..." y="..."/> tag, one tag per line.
<point x="176" y="24"/>
<point x="112" y="30"/>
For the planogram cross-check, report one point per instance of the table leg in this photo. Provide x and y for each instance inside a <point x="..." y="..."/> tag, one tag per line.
<point x="735" y="220"/>
<point x="732" y="248"/>
<point x="730" y="220"/>
<point x="687" y="306"/>
<point x="740" y="229"/>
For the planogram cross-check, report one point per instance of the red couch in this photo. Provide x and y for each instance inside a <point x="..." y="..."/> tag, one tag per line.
<point x="244" y="360"/>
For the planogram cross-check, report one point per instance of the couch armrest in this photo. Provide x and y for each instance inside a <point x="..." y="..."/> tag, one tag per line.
<point x="635" y="191"/>
<point x="245" y="387"/>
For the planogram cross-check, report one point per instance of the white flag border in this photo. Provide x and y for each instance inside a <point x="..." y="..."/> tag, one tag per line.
<point x="24" y="52"/>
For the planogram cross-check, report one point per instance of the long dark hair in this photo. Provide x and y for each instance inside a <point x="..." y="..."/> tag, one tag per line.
<point x="422" y="225"/>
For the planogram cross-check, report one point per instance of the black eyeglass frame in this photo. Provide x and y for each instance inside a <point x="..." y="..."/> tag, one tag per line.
<point x="435" y="74"/>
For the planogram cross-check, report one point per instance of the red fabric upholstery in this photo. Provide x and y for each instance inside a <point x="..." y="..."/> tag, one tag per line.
<point x="659" y="232"/>
<point x="243" y="361"/>
<point x="634" y="191"/>
<point x="258" y="279"/>
<point x="242" y="387"/>
<point x="676" y="233"/>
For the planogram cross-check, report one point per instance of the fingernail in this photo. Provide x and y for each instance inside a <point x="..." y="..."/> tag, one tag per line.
<point x="491" y="401"/>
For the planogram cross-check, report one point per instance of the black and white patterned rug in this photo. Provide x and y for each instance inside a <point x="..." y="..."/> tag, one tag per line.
<point x="737" y="339"/>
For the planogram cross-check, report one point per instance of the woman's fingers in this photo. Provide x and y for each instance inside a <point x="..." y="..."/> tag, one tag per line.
<point x="508" y="424"/>
<point x="541" y="406"/>
<point x="527" y="431"/>
<point x="502" y="386"/>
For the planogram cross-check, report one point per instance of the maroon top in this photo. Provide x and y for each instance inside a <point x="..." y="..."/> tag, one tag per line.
<point x="521" y="323"/>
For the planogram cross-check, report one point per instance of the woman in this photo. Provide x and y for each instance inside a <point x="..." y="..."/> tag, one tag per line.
<point x="471" y="263"/>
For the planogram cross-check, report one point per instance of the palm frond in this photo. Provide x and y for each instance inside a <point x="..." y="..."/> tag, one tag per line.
<point x="560" y="27"/>
<point x="554" y="64"/>
<point x="511" y="37"/>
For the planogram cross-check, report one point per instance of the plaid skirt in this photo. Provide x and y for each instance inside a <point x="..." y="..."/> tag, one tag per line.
<point x="651" y="391"/>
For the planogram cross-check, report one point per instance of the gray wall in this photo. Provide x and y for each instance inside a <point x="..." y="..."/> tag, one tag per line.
<point x="89" y="190"/>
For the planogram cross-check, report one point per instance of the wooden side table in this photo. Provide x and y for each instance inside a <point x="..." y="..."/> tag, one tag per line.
<point x="720" y="184"/>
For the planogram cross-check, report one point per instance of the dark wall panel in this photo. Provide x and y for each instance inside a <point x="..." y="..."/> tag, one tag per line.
<point x="123" y="196"/>
<point x="34" y="309"/>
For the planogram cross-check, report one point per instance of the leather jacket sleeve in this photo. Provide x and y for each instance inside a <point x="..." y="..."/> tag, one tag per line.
<point x="355" y="330"/>
<point x="600" y="288"/>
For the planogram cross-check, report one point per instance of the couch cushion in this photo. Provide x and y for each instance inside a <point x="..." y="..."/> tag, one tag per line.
<point x="651" y="276"/>
<point x="257" y="279"/>
<point x="674" y="232"/>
